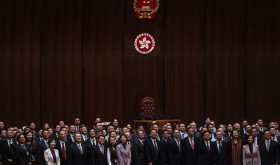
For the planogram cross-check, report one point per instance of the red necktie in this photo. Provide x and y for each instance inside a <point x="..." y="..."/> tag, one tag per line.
<point x="63" y="152"/>
<point x="192" y="144"/>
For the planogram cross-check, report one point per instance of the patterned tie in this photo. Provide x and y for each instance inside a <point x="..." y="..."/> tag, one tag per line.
<point x="178" y="144"/>
<point x="80" y="148"/>
<point x="102" y="149"/>
<point x="207" y="146"/>
<point x="23" y="147"/>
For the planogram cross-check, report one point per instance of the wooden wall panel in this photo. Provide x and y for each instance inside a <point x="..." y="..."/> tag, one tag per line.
<point x="263" y="60"/>
<point x="20" y="97"/>
<point x="103" y="60"/>
<point x="62" y="60"/>
<point x="183" y="59"/>
<point x="225" y="88"/>
<point x="68" y="58"/>
<point x="225" y="62"/>
<point x="225" y="28"/>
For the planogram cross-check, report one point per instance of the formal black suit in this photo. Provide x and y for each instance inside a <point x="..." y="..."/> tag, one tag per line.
<point x="7" y="152"/>
<point x="22" y="153"/>
<point x="270" y="157"/>
<point x="190" y="156"/>
<point x="75" y="157"/>
<point x="89" y="144"/>
<point x="228" y="135"/>
<point x="165" y="143"/>
<point x="41" y="147"/>
<point x="174" y="152"/>
<point x="259" y="140"/>
<point x="222" y="156"/>
<point x="154" y="155"/>
<point x="206" y="157"/>
<point x="69" y="139"/>
<point x="97" y="157"/>
<point x="58" y="147"/>
<point x="138" y="152"/>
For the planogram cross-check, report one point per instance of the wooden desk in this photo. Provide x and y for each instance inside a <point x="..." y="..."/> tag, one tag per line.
<point x="146" y="123"/>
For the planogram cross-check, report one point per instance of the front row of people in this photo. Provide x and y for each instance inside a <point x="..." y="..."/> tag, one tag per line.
<point x="167" y="150"/>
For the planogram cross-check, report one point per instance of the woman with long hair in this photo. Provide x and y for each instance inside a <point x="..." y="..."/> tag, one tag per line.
<point x="251" y="154"/>
<point x="29" y="136"/>
<point x="236" y="148"/>
<point x="112" y="157"/>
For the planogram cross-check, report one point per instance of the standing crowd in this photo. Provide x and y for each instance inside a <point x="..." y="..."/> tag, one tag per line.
<point x="177" y="144"/>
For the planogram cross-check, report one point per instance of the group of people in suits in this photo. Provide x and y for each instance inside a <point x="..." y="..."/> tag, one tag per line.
<point x="178" y="144"/>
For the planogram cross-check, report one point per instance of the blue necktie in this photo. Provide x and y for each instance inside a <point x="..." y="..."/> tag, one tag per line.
<point x="47" y="145"/>
<point x="220" y="148"/>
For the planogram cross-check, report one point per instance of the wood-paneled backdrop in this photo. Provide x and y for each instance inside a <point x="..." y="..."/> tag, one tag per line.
<point x="65" y="58"/>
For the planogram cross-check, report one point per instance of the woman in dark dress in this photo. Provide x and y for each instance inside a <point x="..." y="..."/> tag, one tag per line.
<point x="235" y="149"/>
<point x="112" y="157"/>
<point x="29" y="136"/>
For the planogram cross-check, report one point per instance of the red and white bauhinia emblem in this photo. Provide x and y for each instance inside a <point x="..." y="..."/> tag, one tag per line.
<point x="144" y="43"/>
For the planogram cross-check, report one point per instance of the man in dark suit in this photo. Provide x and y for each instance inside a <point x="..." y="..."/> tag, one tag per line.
<point x="228" y="132"/>
<point x="62" y="146"/>
<point x="6" y="145"/>
<point x="138" y="151"/>
<point x="164" y="141"/>
<point x="77" y="123"/>
<point x="83" y="131"/>
<point x="221" y="147"/>
<point x="39" y="136"/>
<point x="154" y="150"/>
<point x="21" y="151"/>
<point x="272" y="131"/>
<point x="99" y="152"/>
<point x="42" y="146"/>
<point x="261" y="127"/>
<point x="257" y="137"/>
<point x="91" y="141"/>
<point x="190" y="148"/>
<point x="269" y="150"/>
<point x="56" y="131"/>
<point x="77" y="152"/>
<point x="32" y="128"/>
<point x="206" y="150"/>
<point x="70" y="136"/>
<point x="175" y="149"/>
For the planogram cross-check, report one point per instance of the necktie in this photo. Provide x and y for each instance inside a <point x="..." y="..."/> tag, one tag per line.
<point x="192" y="144"/>
<point x="178" y="143"/>
<point x="47" y="145"/>
<point x="267" y="145"/>
<point x="92" y="142"/>
<point x="63" y="152"/>
<point x="207" y="146"/>
<point x="102" y="149"/>
<point x="23" y="147"/>
<point x="220" y="148"/>
<point x="155" y="145"/>
<point x="9" y="142"/>
<point x="141" y="141"/>
<point x="80" y="148"/>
